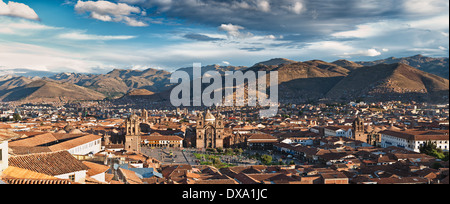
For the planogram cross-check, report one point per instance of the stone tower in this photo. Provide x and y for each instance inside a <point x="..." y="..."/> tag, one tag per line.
<point x="144" y="116"/>
<point x="133" y="134"/>
<point x="210" y="131"/>
<point x="359" y="130"/>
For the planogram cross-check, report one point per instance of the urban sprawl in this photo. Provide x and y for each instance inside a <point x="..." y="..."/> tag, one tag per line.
<point x="102" y="143"/>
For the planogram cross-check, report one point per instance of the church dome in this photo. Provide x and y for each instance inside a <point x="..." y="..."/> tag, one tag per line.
<point x="209" y="116"/>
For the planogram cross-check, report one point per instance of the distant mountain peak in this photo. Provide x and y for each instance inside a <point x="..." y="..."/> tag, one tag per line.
<point x="397" y="81"/>
<point x="276" y="61"/>
<point x="437" y="66"/>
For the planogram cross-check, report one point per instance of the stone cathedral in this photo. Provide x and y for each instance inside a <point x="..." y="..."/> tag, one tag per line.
<point x="210" y="132"/>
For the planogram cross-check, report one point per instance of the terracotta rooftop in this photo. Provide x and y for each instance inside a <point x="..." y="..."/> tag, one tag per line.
<point x="130" y="176"/>
<point x="95" y="168"/>
<point x="56" y="163"/>
<point x="36" y="181"/>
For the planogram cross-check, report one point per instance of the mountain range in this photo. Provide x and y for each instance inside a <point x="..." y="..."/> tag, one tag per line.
<point x="417" y="78"/>
<point x="45" y="91"/>
<point x="436" y="66"/>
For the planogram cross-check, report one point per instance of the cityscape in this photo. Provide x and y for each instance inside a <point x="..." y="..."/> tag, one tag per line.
<point x="121" y="96"/>
<point x="354" y="143"/>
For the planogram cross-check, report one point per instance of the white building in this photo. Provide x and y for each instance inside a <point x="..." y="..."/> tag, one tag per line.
<point x="76" y="144"/>
<point x="3" y="154"/>
<point x="4" y="150"/>
<point x="412" y="139"/>
<point x="163" y="141"/>
<point x="89" y="144"/>
<point x="96" y="171"/>
<point x="338" y="131"/>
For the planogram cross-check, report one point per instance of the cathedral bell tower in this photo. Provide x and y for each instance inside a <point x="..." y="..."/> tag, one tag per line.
<point x="359" y="130"/>
<point x="133" y="134"/>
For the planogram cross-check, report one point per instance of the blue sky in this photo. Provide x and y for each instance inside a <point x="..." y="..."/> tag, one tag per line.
<point x="98" y="36"/>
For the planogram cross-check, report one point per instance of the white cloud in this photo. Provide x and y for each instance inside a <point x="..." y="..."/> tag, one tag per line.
<point x="371" y="29"/>
<point x="330" y="46"/>
<point x="366" y="53"/>
<point x="361" y="31"/>
<point x="133" y="22"/>
<point x="263" y="5"/>
<point x="92" y="59"/>
<point x="426" y="7"/>
<point x="226" y="63"/>
<point x="339" y="49"/>
<point x="17" y="10"/>
<point x="83" y="36"/>
<point x="272" y="37"/>
<point x="106" y="8"/>
<point x="233" y="31"/>
<point x="21" y="27"/>
<point x="111" y="12"/>
<point x="293" y="6"/>
<point x="371" y="53"/>
<point x="425" y="33"/>
<point x="101" y="17"/>
<point x="42" y="58"/>
<point x="297" y="7"/>
<point x="440" y="22"/>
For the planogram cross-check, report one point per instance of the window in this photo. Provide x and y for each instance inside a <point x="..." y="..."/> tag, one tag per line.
<point x="72" y="177"/>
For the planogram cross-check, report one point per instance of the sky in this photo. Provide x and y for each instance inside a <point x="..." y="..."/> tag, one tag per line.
<point x="86" y="36"/>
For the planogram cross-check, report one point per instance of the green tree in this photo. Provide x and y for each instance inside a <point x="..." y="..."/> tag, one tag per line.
<point x="266" y="159"/>
<point x="431" y="149"/>
<point x="17" y="117"/>
<point x="228" y="151"/>
<point x="238" y="151"/>
<point x="216" y="161"/>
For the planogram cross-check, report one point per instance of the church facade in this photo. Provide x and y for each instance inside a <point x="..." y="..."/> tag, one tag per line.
<point x="210" y="131"/>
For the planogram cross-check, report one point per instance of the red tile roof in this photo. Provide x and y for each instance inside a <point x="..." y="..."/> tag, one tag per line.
<point x="55" y="163"/>
<point x="36" y="181"/>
